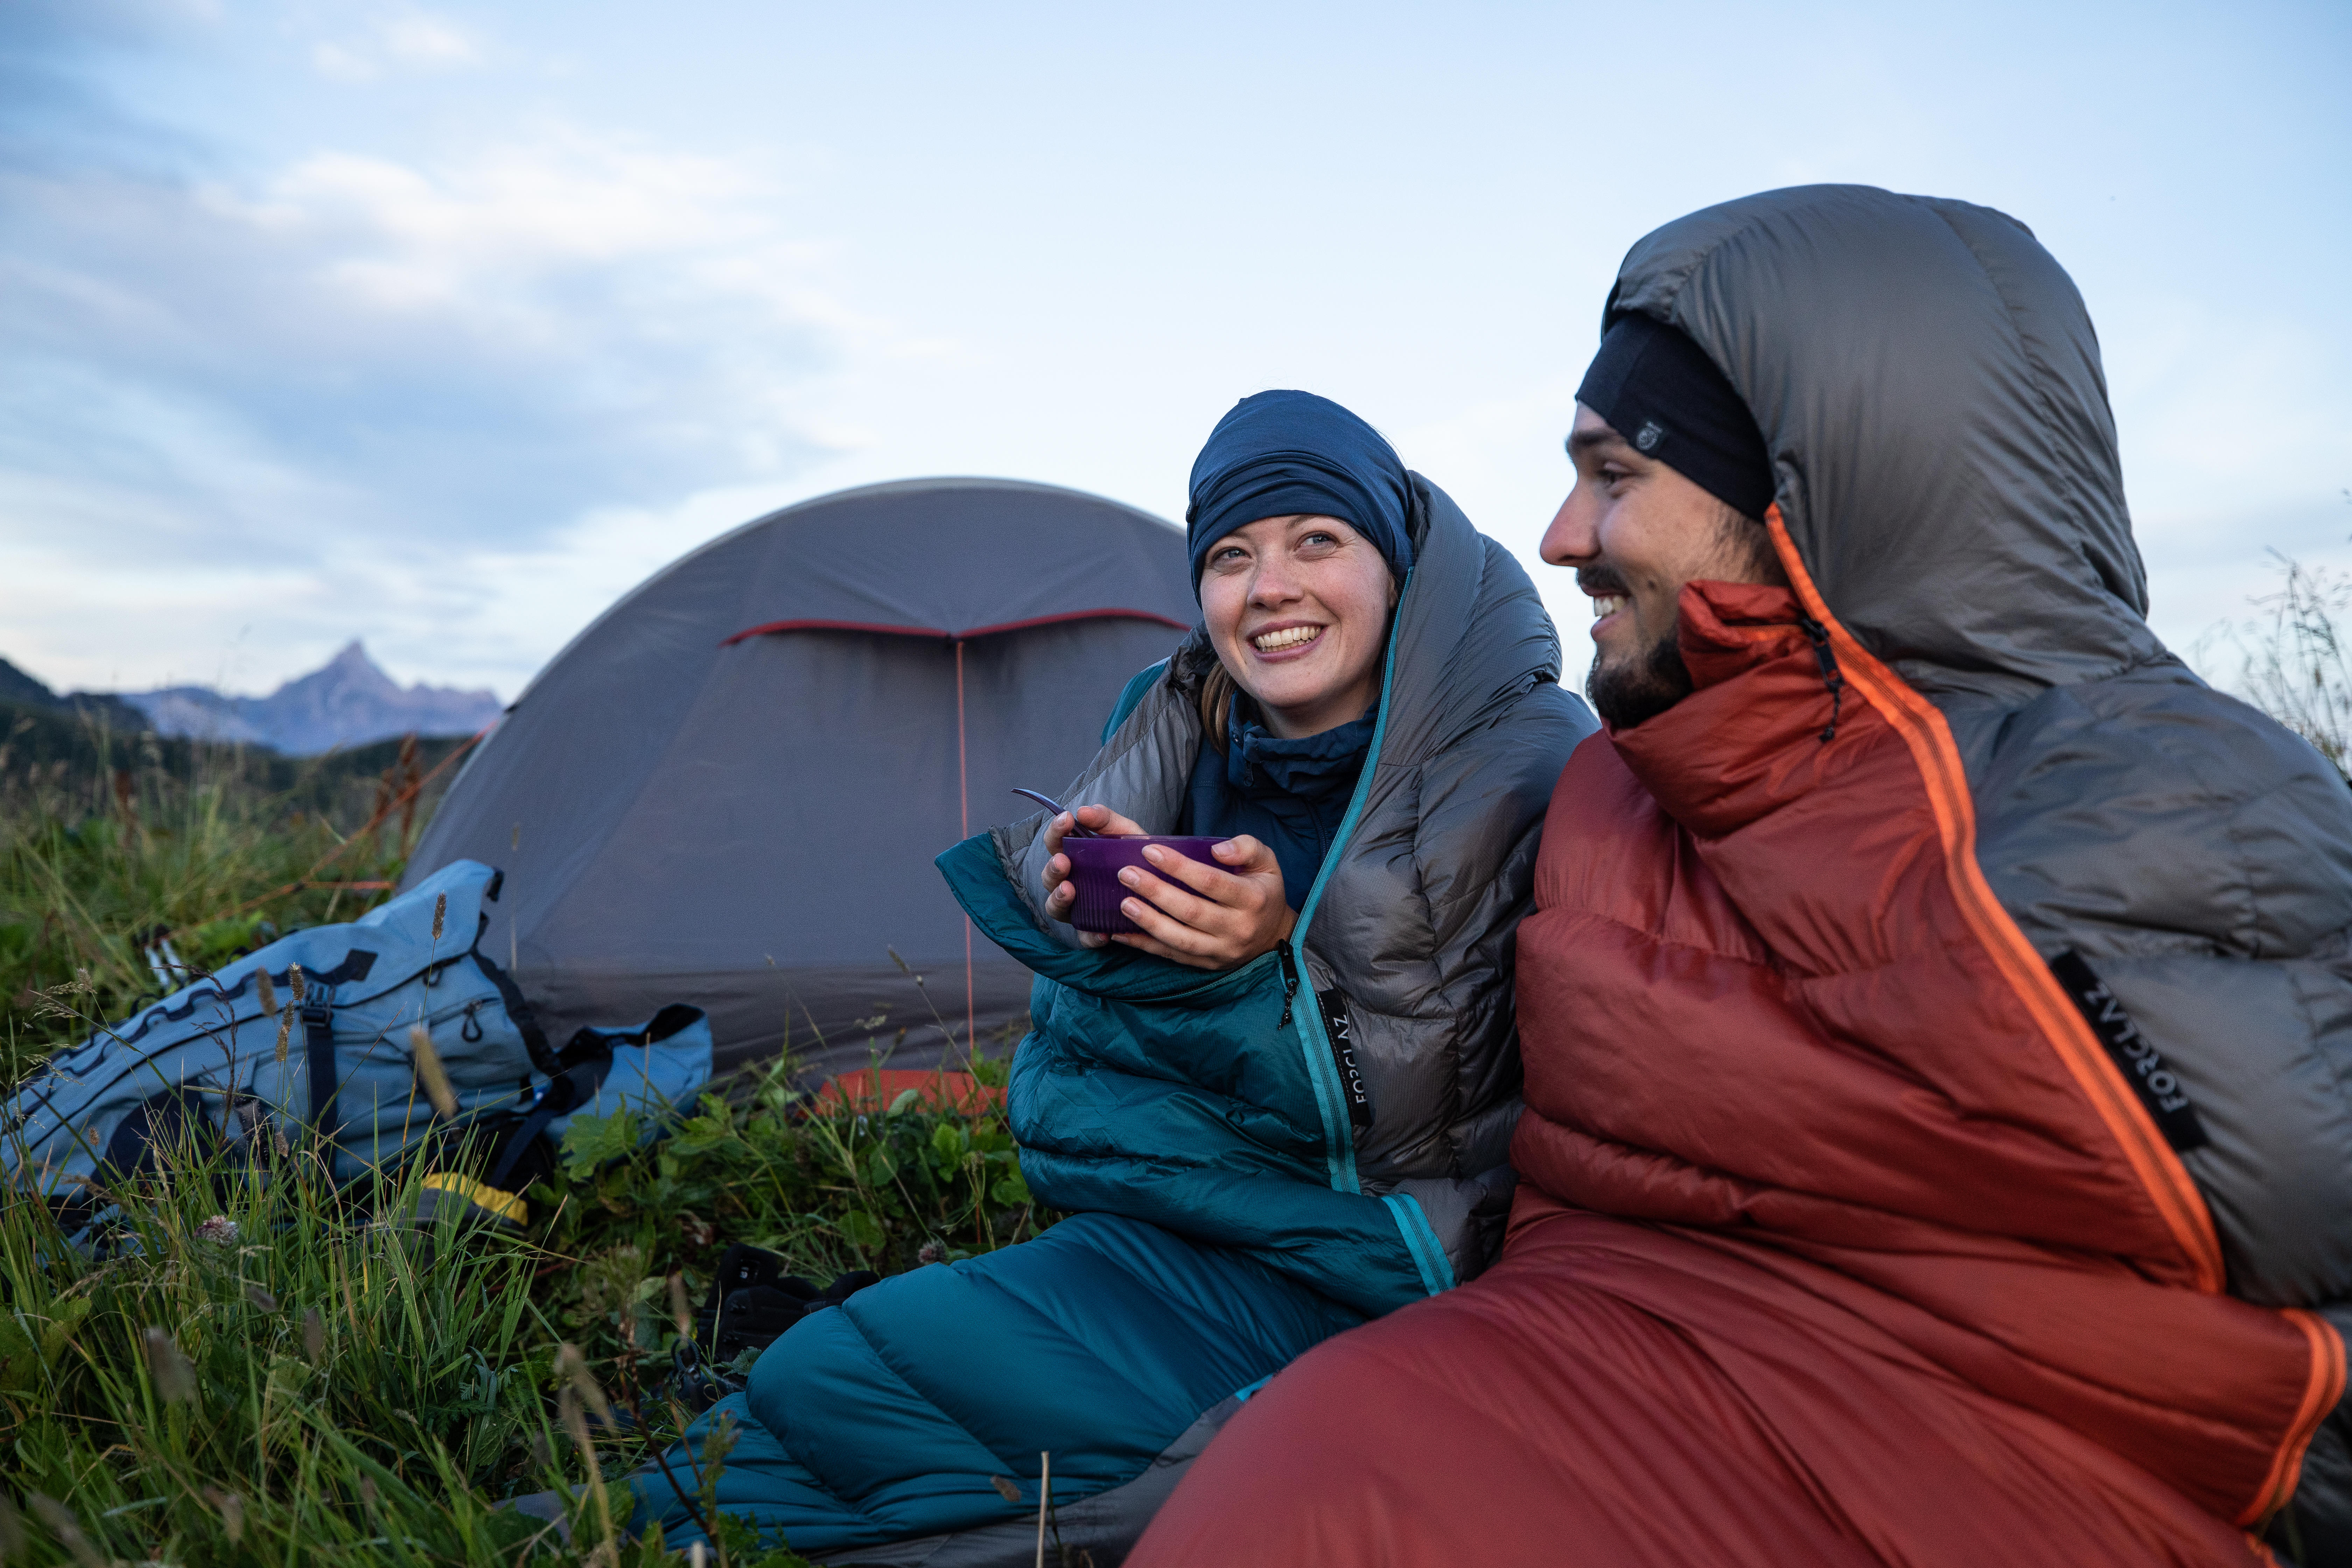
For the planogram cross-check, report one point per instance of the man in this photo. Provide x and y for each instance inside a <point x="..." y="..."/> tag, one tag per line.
<point x="1937" y="1013"/>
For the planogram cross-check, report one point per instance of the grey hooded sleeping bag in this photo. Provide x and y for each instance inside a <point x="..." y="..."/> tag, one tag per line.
<point x="1228" y="1213"/>
<point x="1408" y="933"/>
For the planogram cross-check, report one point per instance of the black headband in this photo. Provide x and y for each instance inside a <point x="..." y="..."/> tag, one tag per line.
<point x="1658" y="389"/>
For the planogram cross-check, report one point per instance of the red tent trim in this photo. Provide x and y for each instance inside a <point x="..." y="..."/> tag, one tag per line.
<point x="869" y="1090"/>
<point x="885" y="629"/>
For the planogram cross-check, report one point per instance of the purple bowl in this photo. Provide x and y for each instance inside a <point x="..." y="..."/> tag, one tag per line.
<point x="1095" y="866"/>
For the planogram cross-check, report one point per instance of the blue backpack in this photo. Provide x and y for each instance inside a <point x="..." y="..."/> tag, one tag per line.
<point x="331" y="1065"/>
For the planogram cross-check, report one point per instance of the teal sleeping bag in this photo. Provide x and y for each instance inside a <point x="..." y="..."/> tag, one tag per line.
<point x="1229" y="1211"/>
<point x="889" y="1418"/>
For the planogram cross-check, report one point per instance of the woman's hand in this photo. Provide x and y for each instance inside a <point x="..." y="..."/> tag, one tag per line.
<point x="1060" y="891"/>
<point x="1208" y="917"/>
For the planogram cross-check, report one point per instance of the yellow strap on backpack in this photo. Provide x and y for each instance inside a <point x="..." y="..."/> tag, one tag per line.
<point x="507" y="1208"/>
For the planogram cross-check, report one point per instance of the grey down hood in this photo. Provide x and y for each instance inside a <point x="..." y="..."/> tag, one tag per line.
<point x="1415" y="917"/>
<point x="1929" y="389"/>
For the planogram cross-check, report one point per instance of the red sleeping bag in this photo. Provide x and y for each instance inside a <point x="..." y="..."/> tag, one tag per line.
<point x="1856" y="1225"/>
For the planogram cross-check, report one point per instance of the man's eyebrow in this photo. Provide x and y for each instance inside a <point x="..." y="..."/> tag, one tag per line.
<point x="1582" y="441"/>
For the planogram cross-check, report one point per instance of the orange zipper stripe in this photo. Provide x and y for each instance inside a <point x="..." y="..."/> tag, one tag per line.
<point x="2320" y="1393"/>
<point x="2159" y="1168"/>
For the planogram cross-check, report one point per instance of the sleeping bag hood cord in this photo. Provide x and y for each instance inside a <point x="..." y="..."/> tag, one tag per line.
<point x="1831" y="677"/>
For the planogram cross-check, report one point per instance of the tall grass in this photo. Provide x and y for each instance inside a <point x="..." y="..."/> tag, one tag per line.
<point x="255" y="1372"/>
<point x="2294" y="666"/>
<point x="128" y="837"/>
<point x="254" y="1367"/>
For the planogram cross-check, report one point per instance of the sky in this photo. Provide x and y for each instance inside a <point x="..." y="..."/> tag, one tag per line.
<point x="441" y="325"/>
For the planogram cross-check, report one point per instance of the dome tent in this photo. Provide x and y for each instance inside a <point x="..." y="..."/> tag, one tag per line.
<point x="728" y="790"/>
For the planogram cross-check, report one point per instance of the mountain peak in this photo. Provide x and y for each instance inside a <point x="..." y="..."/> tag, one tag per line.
<point x="342" y="678"/>
<point x="347" y="701"/>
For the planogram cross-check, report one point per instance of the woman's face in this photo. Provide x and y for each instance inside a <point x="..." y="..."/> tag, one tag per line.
<point x="1298" y="610"/>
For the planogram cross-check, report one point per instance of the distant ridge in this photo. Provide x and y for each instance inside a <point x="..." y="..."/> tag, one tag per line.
<point x="22" y="690"/>
<point x="350" y="702"/>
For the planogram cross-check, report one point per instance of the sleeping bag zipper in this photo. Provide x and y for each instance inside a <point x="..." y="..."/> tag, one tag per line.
<point x="1333" y="1006"/>
<point x="1322" y="1064"/>
<point x="1831" y="677"/>
<point x="1341" y="1033"/>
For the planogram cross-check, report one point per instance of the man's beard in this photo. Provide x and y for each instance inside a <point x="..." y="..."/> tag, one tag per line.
<point x="1629" y="691"/>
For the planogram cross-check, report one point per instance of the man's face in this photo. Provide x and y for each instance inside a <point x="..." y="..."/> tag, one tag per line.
<point x="1635" y="532"/>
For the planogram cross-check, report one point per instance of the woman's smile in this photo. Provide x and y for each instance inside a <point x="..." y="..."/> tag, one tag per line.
<point x="1286" y="639"/>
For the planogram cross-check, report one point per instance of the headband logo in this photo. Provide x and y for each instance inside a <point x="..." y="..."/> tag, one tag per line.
<point x="1649" y="434"/>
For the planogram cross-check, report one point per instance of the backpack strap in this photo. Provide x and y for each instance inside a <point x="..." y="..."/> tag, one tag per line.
<point x="319" y="1056"/>
<point x="574" y="1086"/>
<point x="579" y="1073"/>
<point x="518" y="1013"/>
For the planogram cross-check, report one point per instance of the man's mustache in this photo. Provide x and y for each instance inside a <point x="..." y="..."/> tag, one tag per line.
<point x="1598" y="581"/>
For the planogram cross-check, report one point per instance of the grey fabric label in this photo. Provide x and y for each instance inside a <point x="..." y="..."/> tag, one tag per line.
<point x="2158" y="1087"/>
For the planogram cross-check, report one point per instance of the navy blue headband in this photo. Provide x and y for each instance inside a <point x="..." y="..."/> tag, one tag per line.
<point x="1658" y="389"/>
<point x="1280" y="454"/>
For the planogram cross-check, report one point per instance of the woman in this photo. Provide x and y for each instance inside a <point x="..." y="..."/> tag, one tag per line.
<point x="1280" y="1109"/>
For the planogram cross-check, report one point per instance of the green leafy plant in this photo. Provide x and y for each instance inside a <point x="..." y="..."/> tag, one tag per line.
<point x="829" y="1186"/>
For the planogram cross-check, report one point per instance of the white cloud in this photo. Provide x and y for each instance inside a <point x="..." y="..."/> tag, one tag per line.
<point x="428" y="41"/>
<point x="358" y="362"/>
<point x="403" y="36"/>
<point x="2224" y="413"/>
<point x="339" y="64"/>
<point x="485" y="239"/>
<point x="446" y="394"/>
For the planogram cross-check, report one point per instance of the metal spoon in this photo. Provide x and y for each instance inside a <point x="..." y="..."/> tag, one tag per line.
<point x="1050" y="804"/>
